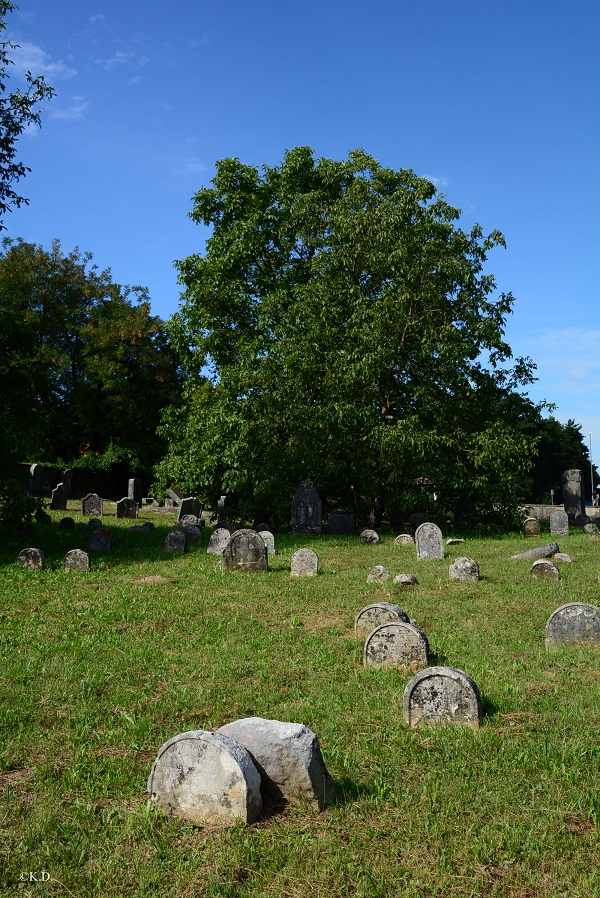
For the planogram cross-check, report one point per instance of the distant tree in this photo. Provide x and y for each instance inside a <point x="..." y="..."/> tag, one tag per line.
<point x="560" y="447"/>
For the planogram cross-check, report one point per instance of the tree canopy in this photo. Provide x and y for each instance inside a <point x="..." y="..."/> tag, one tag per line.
<point x="351" y="335"/>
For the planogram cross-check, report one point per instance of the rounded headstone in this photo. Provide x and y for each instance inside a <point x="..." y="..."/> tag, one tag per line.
<point x="193" y="532"/>
<point x="464" y="569"/>
<point x="591" y="528"/>
<point x="268" y="539"/>
<point x="439" y="696"/>
<point x="205" y="777"/>
<point x="175" y="541"/>
<point x="405" y="539"/>
<point x="32" y="559"/>
<point x="94" y="524"/>
<point x="559" y="522"/>
<point x="219" y="539"/>
<point x="395" y="644"/>
<point x="225" y="525"/>
<point x="576" y="622"/>
<point x="429" y="541"/>
<point x="372" y="616"/>
<point x="542" y="568"/>
<point x="305" y="563"/>
<point x="452" y="541"/>
<point x="101" y="540"/>
<point x="245" y="552"/>
<point x="66" y="524"/>
<point x="531" y="527"/>
<point x="378" y="574"/>
<point x="76" y="560"/>
<point x="406" y="580"/>
<point x="189" y="520"/>
<point x="562" y="556"/>
<point x="369" y="538"/>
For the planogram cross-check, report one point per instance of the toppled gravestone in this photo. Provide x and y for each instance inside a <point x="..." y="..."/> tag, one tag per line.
<point x="544" y="569"/>
<point x="32" y="559"/>
<point x="288" y="758"/>
<point x="378" y="574"/>
<point x="395" y="644"/>
<point x="406" y="580"/>
<point x="245" y="552"/>
<point x="576" y="622"/>
<point x="439" y="696"/>
<point x="305" y="563"/>
<point x="545" y="551"/>
<point x="373" y="616"/>
<point x="464" y="569"/>
<point x="76" y="560"/>
<point x="205" y="777"/>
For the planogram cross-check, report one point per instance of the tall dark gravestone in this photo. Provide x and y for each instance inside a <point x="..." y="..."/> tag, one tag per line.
<point x="572" y="487"/>
<point x="307" y="511"/>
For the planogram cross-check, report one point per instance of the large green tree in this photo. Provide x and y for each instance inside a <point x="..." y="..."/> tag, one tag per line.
<point x="344" y="319"/>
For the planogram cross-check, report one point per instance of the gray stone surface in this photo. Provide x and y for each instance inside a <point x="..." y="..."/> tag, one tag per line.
<point x="531" y="527"/>
<point x="562" y="556"/>
<point x="572" y="490"/>
<point x="146" y="527"/>
<point x="76" y="560"/>
<point x="545" y="551"/>
<point x="453" y="541"/>
<point x="219" y="539"/>
<point x="269" y="540"/>
<point x="559" y="522"/>
<point x="369" y="537"/>
<point x="189" y="520"/>
<point x="406" y="580"/>
<point x="287" y="756"/>
<point x="60" y="494"/>
<point x="372" y="616"/>
<point x="127" y="508"/>
<point x="175" y="496"/>
<point x="395" y="644"/>
<point x="226" y="525"/>
<point x="591" y="528"/>
<point x="32" y="559"/>
<point x="245" y="552"/>
<point x="101" y="540"/>
<point x="175" y="542"/>
<point x="307" y="511"/>
<point x="405" y="539"/>
<point x="135" y="490"/>
<point x="429" y="541"/>
<point x="576" y="622"/>
<point x="66" y="524"/>
<point x="206" y="778"/>
<point x="544" y="569"/>
<point x="190" y="505"/>
<point x="193" y="532"/>
<point x="464" y="569"/>
<point x="439" y="696"/>
<point x="91" y="505"/>
<point x="340" y="523"/>
<point x="305" y="563"/>
<point x="378" y="574"/>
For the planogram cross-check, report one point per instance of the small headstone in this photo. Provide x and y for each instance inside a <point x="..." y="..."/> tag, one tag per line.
<point x="134" y="490"/>
<point x="206" y="778"/>
<point x="175" y="541"/>
<point x="373" y="616"/>
<point x="175" y="496"/>
<point x="193" y="532"/>
<point x="260" y="527"/>
<point x="581" y="520"/>
<point x="58" y="502"/>
<point x="429" y="541"/>
<point x="219" y="539"/>
<point x="395" y="644"/>
<point x="464" y="569"/>
<point x="245" y="552"/>
<point x="127" y="508"/>
<point x="531" y="527"/>
<point x="192" y="506"/>
<point x="562" y="556"/>
<point x="66" y="524"/>
<point x="76" y="560"/>
<point x="542" y="568"/>
<point x="378" y="574"/>
<point x="591" y="528"/>
<point x="572" y="490"/>
<point x="545" y="551"/>
<point x="405" y="539"/>
<point x="369" y="538"/>
<point x="340" y="523"/>
<point x="406" y="580"/>
<point x="42" y="517"/>
<point x="32" y="559"/>
<point x="287" y="756"/>
<point x="169" y="504"/>
<point x="305" y="563"/>
<point x="307" y="511"/>
<point x="576" y="622"/>
<point x="93" y="524"/>
<point x="188" y="520"/>
<point x="269" y="540"/>
<point x="101" y="540"/>
<point x="452" y="541"/>
<point x="439" y="696"/>
<point x="559" y="522"/>
<point x="91" y="505"/>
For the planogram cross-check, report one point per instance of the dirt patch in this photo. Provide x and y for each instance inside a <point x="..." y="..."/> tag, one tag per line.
<point x="153" y="580"/>
<point x="15" y="777"/>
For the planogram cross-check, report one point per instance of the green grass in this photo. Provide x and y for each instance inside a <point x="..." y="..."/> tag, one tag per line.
<point x="97" y="670"/>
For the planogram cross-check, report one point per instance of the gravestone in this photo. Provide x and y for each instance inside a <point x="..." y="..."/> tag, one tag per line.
<point x="307" y="513"/>
<point x="76" y="560"/>
<point x="189" y="520"/>
<point x="464" y="569"/>
<point x="572" y="490"/>
<point x="288" y="758"/>
<point x="260" y="527"/>
<point x="429" y="542"/>
<point x="453" y="541"/>
<point x="559" y="523"/>
<point x="591" y="528"/>
<point x="369" y="538"/>
<point x="66" y="524"/>
<point x="146" y="527"/>
<point x="269" y="540"/>
<point x="190" y="505"/>
<point x="378" y="574"/>
<point x="42" y="517"/>
<point x="395" y="644"/>
<point x="175" y="496"/>
<point x="574" y="623"/>
<point x="439" y="696"/>
<point x="544" y="569"/>
<point x="340" y="523"/>
<point x="531" y="527"/>
<point x="91" y="505"/>
<point x="127" y="508"/>
<point x="175" y="542"/>
<point x="405" y="580"/>
<point x="169" y="504"/>
<point x="192" y="532"/>
<point x="32" y="559"/>
<point x="219" y="539"/>
<point x="545" y="551"/>
<point x="305" y="563"/>
<point x="245" y="552"/>
<point x="58" y="502"/>
<point x="562" y="556"/>
<point x="101" y="540"/>
<point x="206" y="778"/>
<point x="373" y="616"/>
<point x="405" y="539"/>
<point x="93" y="524"/>
<point x="135" y="490"/>
<point x="68" y="481"/>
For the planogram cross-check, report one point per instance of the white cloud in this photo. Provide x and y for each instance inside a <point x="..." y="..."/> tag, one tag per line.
<point x="95" y="20"/>
<point x="29" y="57"/>
<point x="121" y="58"/>
<point x="438" y="180"/>
<point x="73" y="111"/>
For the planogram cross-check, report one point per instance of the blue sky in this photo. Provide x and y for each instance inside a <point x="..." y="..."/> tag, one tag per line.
<point x="497" y="103"/>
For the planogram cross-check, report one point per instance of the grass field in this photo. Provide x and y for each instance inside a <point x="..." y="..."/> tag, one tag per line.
<point x="97" y="670"/>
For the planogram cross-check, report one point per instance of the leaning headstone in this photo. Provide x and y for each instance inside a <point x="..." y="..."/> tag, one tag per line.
<point x="287" y="756"/>
<point x="205" y="778"/>
<point x="127" y="508"/>
<point x="373" y="616"/>
<point x="406" y="580"/>
<point x="531" y="527"/>
<point x="246" y="552"/>
<point x="134" y="490"/>
<point x="76" y="560"/>
<point x="175" y="542"/>
<point x="576" y="622"/>
<point x="542" y="568"/>
<point x="369" y="538"/>
<point x="559" y="523"/>
<point x="464" y="569"/>
<point x="66" y="524"/>
<point x="175" y="496"/>
<point x="32" y="559"/>
<point x="439" y="696"/>
<point x="101" y="540"/>
<point x="405" y="539"/>
<point x="378" y="574"/>
<point x="307" y="511"/>
<point x="545" y="551"/>
<point x="91" y="506"/>
<point x="219" y="539"/>
<point x="340" y="523"/>
<point x="305" y="563"/>
<point x="429" y="541"/>
<point x="58" y="502"/>
<point x="572" y="490"/>
<point x="395" y="644"/>
<point x="191" y="505"/>
<point x="269" y="540"/>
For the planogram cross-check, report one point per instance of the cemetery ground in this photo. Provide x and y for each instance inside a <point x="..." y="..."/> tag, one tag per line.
<point x="98" y="669"/>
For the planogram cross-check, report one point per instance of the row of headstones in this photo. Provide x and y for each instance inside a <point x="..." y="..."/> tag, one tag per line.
<point x="34" y="559"/>
<point x="559" y="525"/>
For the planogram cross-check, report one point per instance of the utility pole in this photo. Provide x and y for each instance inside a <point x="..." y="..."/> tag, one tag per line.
<point x="591" y="466"/>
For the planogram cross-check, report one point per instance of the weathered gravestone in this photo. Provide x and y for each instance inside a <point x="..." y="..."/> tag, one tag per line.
<point x="305" y="563"/>
<point x="591" y="528"/>
<point x="190" y="505"/>
<point x="93" y="524"/>
<point x="193" y="532"/>
<point x="66" y="524"/>
<point x="559" y="523"/>
<point x="246" y="552"/>
<point x="190" y="520"/>
<point x="429" y="542"/>
<point x="76" y="560"/>
<point x="146" y="527"/>
<point x="340" y="523"/>
<point x="169" y="504"/>
<point x="91" y="505"/>
<point x="395" y="644"/>
<point x="101" y="540"/>
<point x="269" y="540"/>
<point x="442" y="695"/>
<point x="406" y="580"/>
<point x="544" y="569"/>
<point x="32" y="559"/>
<point x="58" y="502"/>
<point x="531" y="527"/>
<point x="205" y="777"/>
<point x="175" y="496"/>
<point x="464" y="569"/>
<point x="545" y="551"/>
<point x="373" y="616"/>
<point x="378" y="574"/>
<point x="562" y="556"/>
<point x="572" y="489"/>
<point x="287" y="756"/>
<point x="369" y="538"/>
<point x="135" y="490"/>
<point x="405" y="539"/>
<point x="127" y="508"/>
<point x="307" y="512"/>
<point x="453" y="541"/>
<point x="219" y="539"/>
<point x="175" y="542"/>
<point x="576" y="622"/>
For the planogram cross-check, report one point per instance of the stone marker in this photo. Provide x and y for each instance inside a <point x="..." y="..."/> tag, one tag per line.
<point x="378" y="574"/>
<point x="572" y="490"/>
<point x="146" y="527"/>
<point x="307" y="512"/>
<point x="260" y="527"/>
<point x="42" y="517"/>
<point x="91" y="505"/>
<point x="406" y="580"/>
<point x="542" y="568"/>
<point x="452" y="541"/>
<point x="545" y="551"/>
<point x="93" y="524"/>
<point x="58" y="502"/>
<point x="559" y="522"/>
<point x="134" y="490"/>
<point x="175" y="541"/>
<point x="531" y="527"/>
<point x="32" y="559"/>
<point x="269" y="540"/>
<point x="219" y="539"/>
<point x="340" y="523"/>
<point x="76" y="560"/>
<point x="305" y="563"/>
<point x="205" y="777"/>
<point x="288" y="758"/>
<point x="188" y="520"/>
<point x="66" y="524"/>
<point x="405" y="539"/>
<point x="101" y="540"/>
<point x="193" y="532"/>
<point x="442" y="695"/>
<point x="175" y="496"/>
<point x="373" y="616"/>
<point x="369" y="538"/>
<point x="591" y="528"/>
<point x="190" y="505"/>
<point x="169" y="504"/>
<point x="429" y="542"/>
<point x="464" y="569"/>
<point x="127" y="508"/>
<point x="562" y="556"/>
<point x="395" y="644"/>
<point x="246" y="552"/>
<point x="576" y="622"/>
